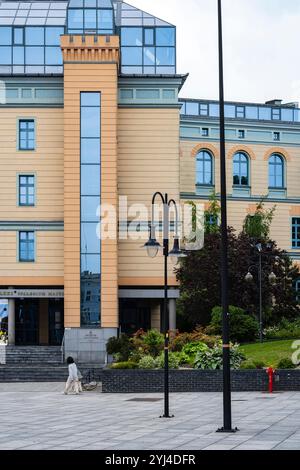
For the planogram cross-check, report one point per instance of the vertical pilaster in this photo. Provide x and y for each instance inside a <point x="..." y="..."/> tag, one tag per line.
<point x="11" y="322"/>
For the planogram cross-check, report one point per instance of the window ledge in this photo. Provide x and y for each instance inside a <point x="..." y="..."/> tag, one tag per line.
<point x="204" y="189"/>
<point x="239" y="190"/>
<point x="278" y="192"/>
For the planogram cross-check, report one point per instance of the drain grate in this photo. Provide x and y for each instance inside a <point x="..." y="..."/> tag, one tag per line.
<point x="145" y="399"/>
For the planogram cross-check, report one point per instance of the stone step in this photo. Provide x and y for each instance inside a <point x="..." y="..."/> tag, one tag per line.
<point x="11" y="373"/>
<point x="33" y="354"/>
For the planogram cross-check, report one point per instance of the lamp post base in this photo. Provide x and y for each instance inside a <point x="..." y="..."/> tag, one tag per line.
<point x="167" y="416"/>
<point x="227" y="430"/>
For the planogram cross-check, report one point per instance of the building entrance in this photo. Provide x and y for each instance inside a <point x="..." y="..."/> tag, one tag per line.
<point x="27" y="321"/>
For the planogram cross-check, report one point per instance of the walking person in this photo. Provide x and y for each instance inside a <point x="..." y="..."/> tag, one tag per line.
<point x="73" y="380"/>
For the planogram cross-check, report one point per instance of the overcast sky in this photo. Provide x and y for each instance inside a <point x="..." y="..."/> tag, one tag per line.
<point x="261" y="46"/>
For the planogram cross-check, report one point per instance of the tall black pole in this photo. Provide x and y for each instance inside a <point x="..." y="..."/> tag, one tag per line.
<point x="227" y="424"/>
<point x="166" y="311"/>
<point x="260" y="298"/>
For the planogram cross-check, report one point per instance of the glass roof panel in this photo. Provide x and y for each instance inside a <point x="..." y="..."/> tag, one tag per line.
<point x="40" y="6"/>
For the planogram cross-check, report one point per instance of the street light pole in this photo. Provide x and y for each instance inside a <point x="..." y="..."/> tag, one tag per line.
<point x="227" y="420"/>
<point x="153" y="246"/>
<point x="260" y="298"/>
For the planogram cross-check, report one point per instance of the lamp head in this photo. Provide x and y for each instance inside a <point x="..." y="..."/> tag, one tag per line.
<point x="272" y="277"/>
<point x="176" y="252"/>
<point x="152" y="245"/>
<point x="249" y="277"/>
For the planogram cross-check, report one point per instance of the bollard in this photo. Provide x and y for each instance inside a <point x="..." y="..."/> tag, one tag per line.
<point x="270" y="371"/>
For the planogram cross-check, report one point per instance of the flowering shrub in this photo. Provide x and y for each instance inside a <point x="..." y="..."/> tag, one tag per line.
<point x="3" y="337"/>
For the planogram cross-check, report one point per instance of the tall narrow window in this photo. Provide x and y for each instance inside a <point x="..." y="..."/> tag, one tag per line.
<point x="26" y="190"/>
<point x="296" y="232"/>
<point x="26" y="134"/>
<point x="276" y="171"/>
<point x="204" y="168"/>
<point x="26" y="246"/>
<point x="241" y="169"/>
<point x="90" y="160"/>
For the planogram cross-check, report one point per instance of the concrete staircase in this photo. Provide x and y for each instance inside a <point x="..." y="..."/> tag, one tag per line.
<point x="30" y="355"/>
<point x="38" y="364"/>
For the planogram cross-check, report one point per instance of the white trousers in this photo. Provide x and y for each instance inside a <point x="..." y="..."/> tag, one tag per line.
<point x="72" y="384"/>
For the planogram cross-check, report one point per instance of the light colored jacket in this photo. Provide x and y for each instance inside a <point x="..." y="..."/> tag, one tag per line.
<point x="73" y="374"/>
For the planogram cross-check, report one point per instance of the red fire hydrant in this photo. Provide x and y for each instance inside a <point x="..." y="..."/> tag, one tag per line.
<point x="270" y="371"/>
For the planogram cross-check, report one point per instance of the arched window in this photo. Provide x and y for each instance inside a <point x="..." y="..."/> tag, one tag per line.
<point x="204" y="168"/>
<point x="276" y="171"/>
<point x="241" y="169"/>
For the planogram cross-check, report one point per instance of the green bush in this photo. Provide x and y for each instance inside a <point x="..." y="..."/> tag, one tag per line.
<point x="243" y="326"/>
<point x="286" y="363"/>
<point x="213" y="358"/>
<point x="191" y="349"/>
<point x="248" y="365"/>
<point x="120" y="347"/>
<point x="147" y="362"/>
<point x="284" y="330"/>
<point x="173" y="361"/>
<point x="124" y="365"/>
<point x="154" y="340"/>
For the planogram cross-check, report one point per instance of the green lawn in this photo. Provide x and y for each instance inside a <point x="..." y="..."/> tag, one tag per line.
<point x="269" y="352"/>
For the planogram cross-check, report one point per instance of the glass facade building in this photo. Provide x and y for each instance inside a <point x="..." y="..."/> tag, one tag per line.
<point x="30" y="35"/>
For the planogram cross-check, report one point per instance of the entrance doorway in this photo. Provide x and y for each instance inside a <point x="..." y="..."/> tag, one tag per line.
<point x="56" y="321"/>
<point x="27" y="321"/>
<point x="134" y="314"/>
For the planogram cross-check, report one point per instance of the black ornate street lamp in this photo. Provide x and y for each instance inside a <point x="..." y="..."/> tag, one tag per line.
<point x="249" y="278"/>
<point x="153" y="247"/>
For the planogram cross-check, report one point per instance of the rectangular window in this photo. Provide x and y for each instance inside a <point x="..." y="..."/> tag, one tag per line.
<point x="205" y="132"/>
<point x="26" y="246"/>
<point x="18" y="36"/>
<point x="240" y="112"/>
<point x="276" y="114"/>
<point x="90" y="197"/>
<point x="26" y="190"/>
<point x="149" y="36"/>
<point x="276" y="136"/>
<point x="241" y="134"/>
<point x="297" y="289"/>
<point x="296" y="232"/>
<point x="26" y="134"/>
<point x="203" y="109"/>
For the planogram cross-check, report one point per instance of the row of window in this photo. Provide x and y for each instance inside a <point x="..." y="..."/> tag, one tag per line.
<point x="27" y="241"/>
<point x="237" y="111"/>
<point x="241" y="134"/>
<point x="241" y="170"/>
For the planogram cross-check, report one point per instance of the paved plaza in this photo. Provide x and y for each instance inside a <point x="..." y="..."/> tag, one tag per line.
<point x="39" y="416"/>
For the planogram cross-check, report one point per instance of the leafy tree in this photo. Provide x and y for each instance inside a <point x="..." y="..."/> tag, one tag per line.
<point x="200" y="280"/>
<point x="243" y="327"/>
<point x="257" y="225"/>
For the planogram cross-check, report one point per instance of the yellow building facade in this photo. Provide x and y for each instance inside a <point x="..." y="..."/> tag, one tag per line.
<point x="90" y="127"/>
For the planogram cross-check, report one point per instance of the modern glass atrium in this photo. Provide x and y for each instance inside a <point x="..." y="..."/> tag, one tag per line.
<point x="30" y="35"/>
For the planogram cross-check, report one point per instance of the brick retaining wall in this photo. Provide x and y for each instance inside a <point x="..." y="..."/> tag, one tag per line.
<point x="189" y="380"/>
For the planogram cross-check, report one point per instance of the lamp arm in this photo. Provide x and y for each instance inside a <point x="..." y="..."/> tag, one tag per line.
<point x="176" y="215"/>
<point x="158" y="193"/>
